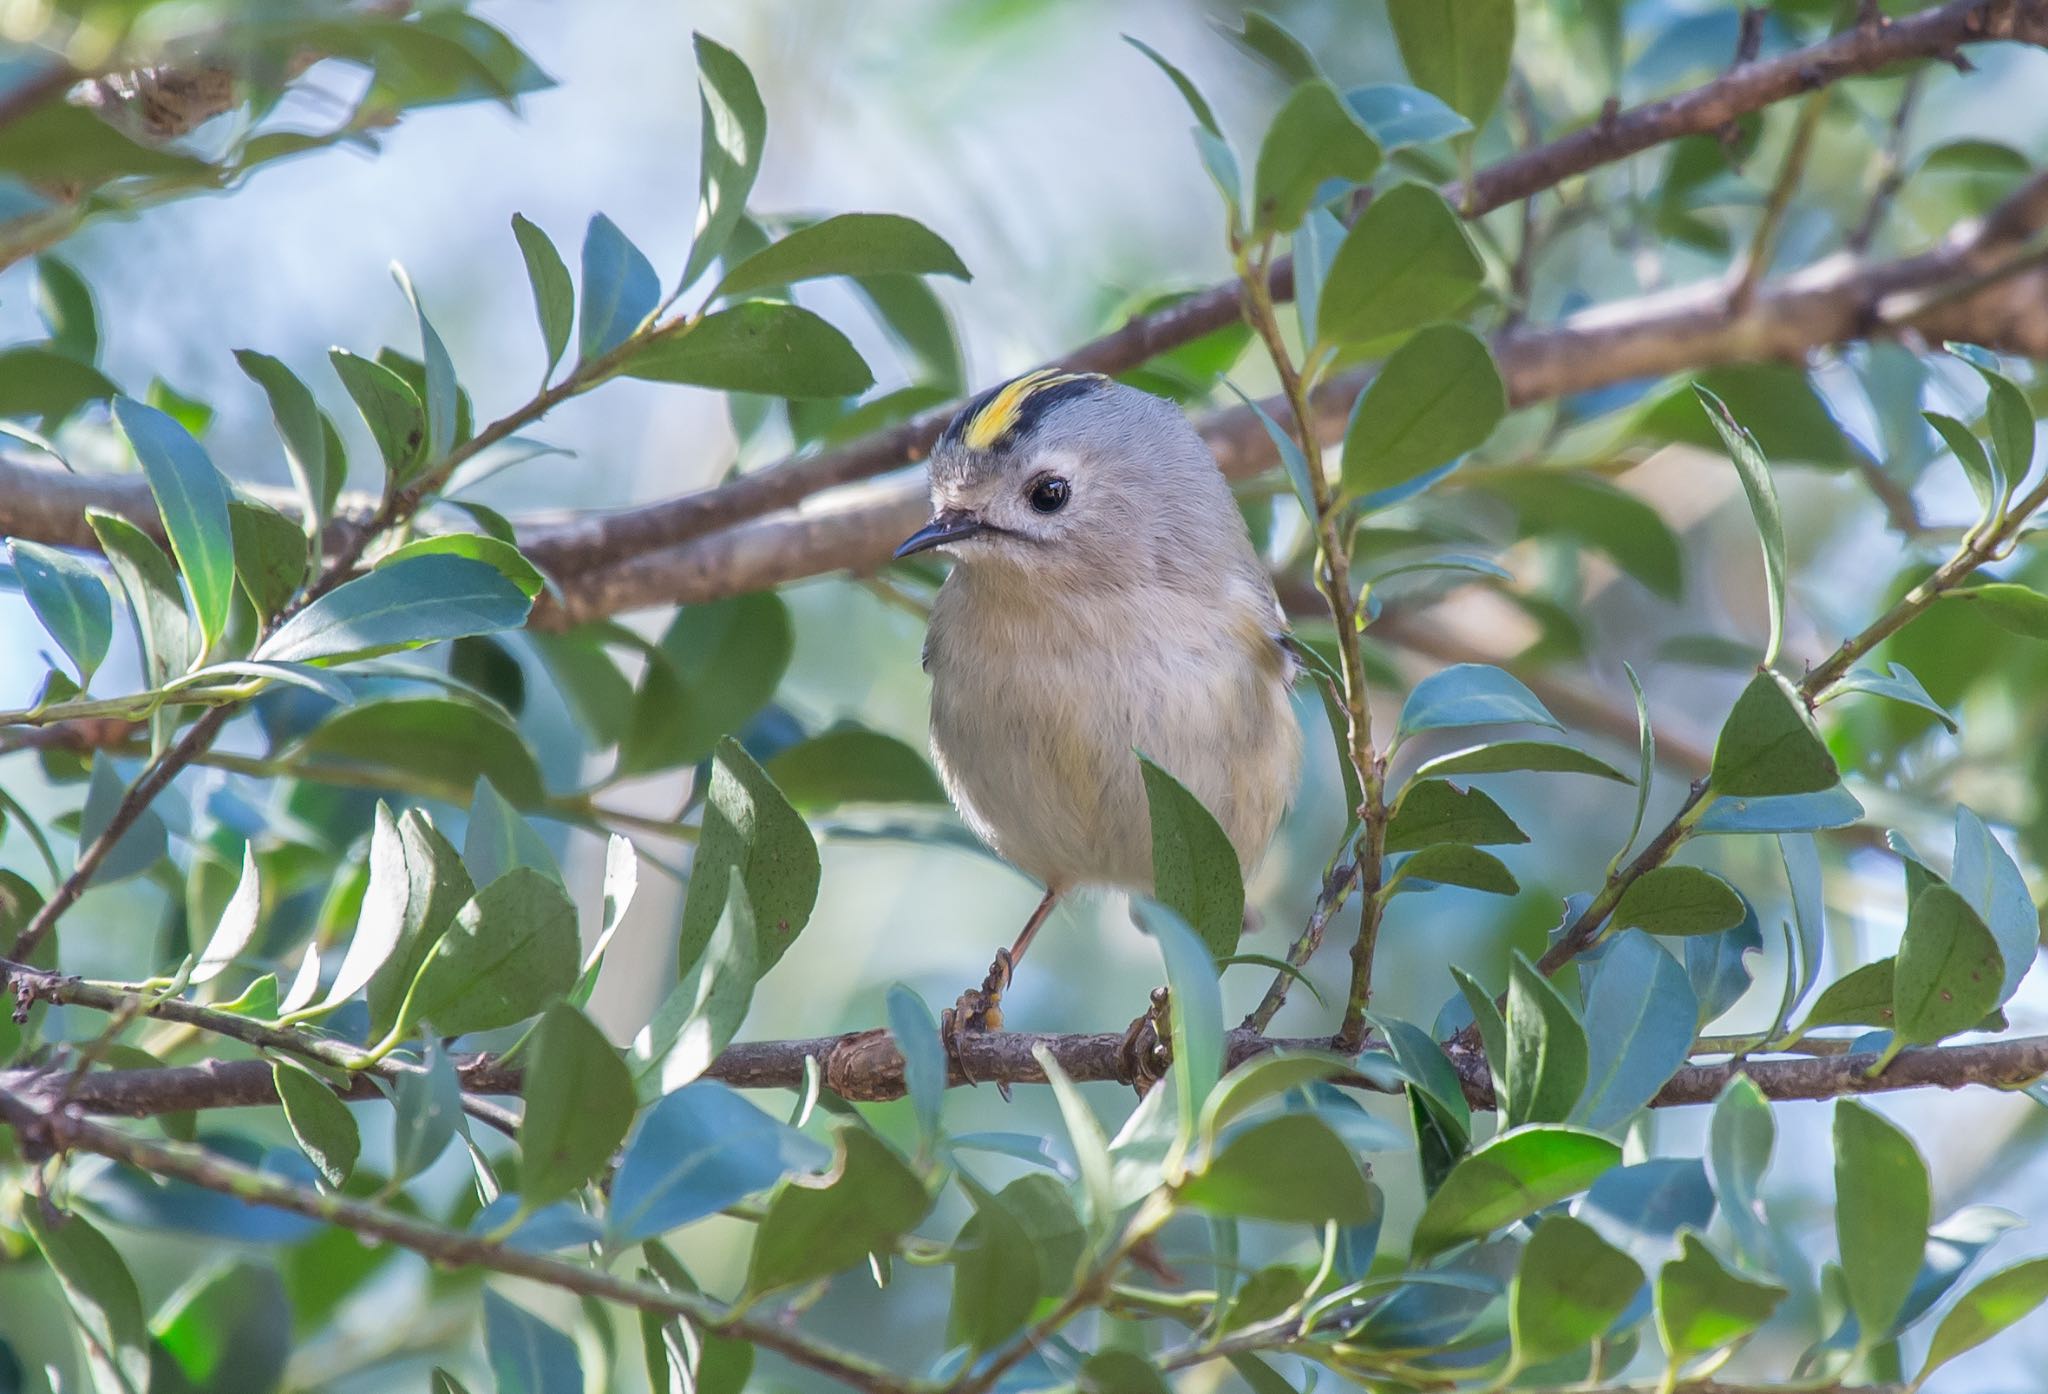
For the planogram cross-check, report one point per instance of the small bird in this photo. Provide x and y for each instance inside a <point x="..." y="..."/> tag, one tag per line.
<point x="1106" y="600"/>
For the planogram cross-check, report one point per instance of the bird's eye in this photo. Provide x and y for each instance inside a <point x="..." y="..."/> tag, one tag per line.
<point x="1049" y="495"/>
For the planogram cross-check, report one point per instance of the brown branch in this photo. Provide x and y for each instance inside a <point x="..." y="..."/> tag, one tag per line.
<point x="46" y="1128"/>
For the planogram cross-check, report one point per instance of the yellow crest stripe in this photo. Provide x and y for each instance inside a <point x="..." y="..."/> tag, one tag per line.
<point x="992" y="421"/>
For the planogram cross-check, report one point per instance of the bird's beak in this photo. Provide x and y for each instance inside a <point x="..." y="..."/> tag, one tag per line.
<point x="949" y="525"/>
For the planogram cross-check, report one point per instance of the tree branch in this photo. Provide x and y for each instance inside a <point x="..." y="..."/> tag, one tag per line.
<point x="44" y="1126"/>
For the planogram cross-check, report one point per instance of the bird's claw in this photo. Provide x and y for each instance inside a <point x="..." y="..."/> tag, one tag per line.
<point x="978" y="1009"/>
<point x="1146" y="1051"/>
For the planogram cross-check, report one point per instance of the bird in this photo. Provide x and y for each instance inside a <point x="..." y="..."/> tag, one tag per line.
<point x="1105" y="600"/>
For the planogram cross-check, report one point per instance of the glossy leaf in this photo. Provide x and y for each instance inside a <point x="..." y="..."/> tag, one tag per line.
<point x="847" y="244"/>
<point x="1899" y="684"/>
<point x="237" y="924"/>
<point x="1679" y="900"/>
<point x="1996" y="1303"/>
<point x="193" y="501"/>
<point x="270" y="555"/>
<point x="1452" y="864"/>
<point x="304" y="430"/>
<point x="528" y="1356"/>
<point x="1459" y="52"/>
<point x="1289" y="1168"/>
<point x="1194" y="867"/>
<point x="2012" y="607"/>
<point x="1987" y="878"/>
<point x="620" y="289"/>
<point x="506" y="558"/>
<point x="428" y="1104"/>
<point x="815" y="1227"/>
<point x="1739" y="1141"/>
<point x="1507" y="1177"/>
<point x="439" y="741"/>
<point x="760" y="346"/>
<point x="101" y="1294"/>
<point x="417" y="601"/>
<point x="1503" y="757"/>
<point x="725" y="661"/>
<point x="392" y="410"/>
<point x="579" y="1103"/>
<point x="325" y="1129"/>
<point x="139" y="848"/>
<point x="1769" y="745"/>
<point x="734" y="127"/>
<point x="1570" y="1288"/>
<point x="554" y="296"/>
<point x="1437" y="396"/>
<point x="916" y="1033"/>
<point x="1406" y="261"/>
<point x="701" y="1015"/>
<point x="1471" y="694"/>
<point x="1755" y="474"/>
<point x="1640" y="1018"/>
<point x="1882" y="1206"/>
<point x="1400" y="116"/>
<point x="1197" y="1018"/>
<point x="1436" y="810"/>
<point x="700" y="1149"/>
<point x="71" y="601"/>
<point x="1314" y="137"/>
<point x="996" y="1277"/>
<point x="380" y="924"/>
<point x="750" y="827"/>
<point x="1949" y="971"/>
<point x="511" y="951"/>
<point x="163" y="630"/>
<point x="1702" y="1306"/>
<point x="1545" y="1069"/>
<point x="1197" y="103"/>
<point x="1986" y="480"/>
<point x="852" y="765"/>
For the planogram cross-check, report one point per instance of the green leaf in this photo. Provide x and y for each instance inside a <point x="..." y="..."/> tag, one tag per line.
<point x="74" y="145"/>
<point x="527" y="1355"/>
<point x="1861" y="997"/>
<point x="849" y="244"/>
<point x="237" y="924"/>
<point x="1121" y="1372"/>
<point x="700" y="1149"/>
<point x="419" y="600"/>
<point x="725" y="660"/>
<point x="1406" y="261"/>
<point x="554" y="296"/>
<point x="734" y="127"/>
<point x="1084" y="1135"/>
<point x="1197" y="103"/>
<point x="1596" y="514"/>
<point x="1400" y="116"/>
<point x="1502" y="757"/>
<point x="71" y="601"/>
<point x="390" y="408"/>
<point x="1986" y="481"/>
<point x="64" y="304"/>
<point x="439" y="393"/>
<point x="193" y="501"/>
<point x="270" y="554"/>
<point x="996" y="1276"/>
<point x="1755" y="473"/>
<point x="1769" y="745"/>
<point x="620" y="289"/>
<point x="1258" y="1079"/>
<point x="1990" y="1307"/>
<point x="704" y="1011"/>
<point x="1314" y="137"/>
<point x="1882" y="1207"/>
<point x="761" y="346"/>
<point x="1570" y="1288"/>
<point x="916" y="1033"/>
<point x="136" y="850"/>
<point x="510" y="562"/>
<point x="1194" y="867"/>
<point x="230" y="1330"/>
<point x="451" y="743"/>
<point x="2016" y="608"/>
<point x="1507" y="1177"/>
<point x="1450" y="864"/>
<point x="380" y="923"/>
<point x="1458" y="51"/>
<point x="1265" y="39"/>
<point x="1640" y="1016"/>
<point x="816" y="1226"/>
<point x="511" y="951"/>
<point x="1702" y="1306"/>
<point x="1739" y="1141"/>
<point x="305" y="432"/>
<point x="1436" y="810"/>
<point x="1423" y="1062"/>
<point x="1545" y="1070"/>
<point x="579" y="1103"/>
<point x="1486" y="1018"/>
<point x="2010" y="418"/>
<point x="163" y="629"/>
<point x="36" y="380"/>
<point x="1289" y="1168"/>
<point x="1291" y="457"/>
<point x="852" y="765"/>
<point x="498" y="839"/>
<point x="101" y="1294"/>
<point x="437" y="887"/>
<point x="1471" y="694"/>
<point x="1986" y="876"/>
<point x="428" y="1107"/>
<point x="1197" y="1018"/>
<point x="750" y="826"/>
<point x="325" y="1129"/>
<point x="1437" y="396"/>
<point x="1900" y="685"/>
<point x="1949" y="972"/>
<point x="1679" y="900"/>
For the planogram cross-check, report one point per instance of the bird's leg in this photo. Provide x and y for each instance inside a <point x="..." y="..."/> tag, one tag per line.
<point x="1145" y="1054"/>
<point x="980" y="1008"/>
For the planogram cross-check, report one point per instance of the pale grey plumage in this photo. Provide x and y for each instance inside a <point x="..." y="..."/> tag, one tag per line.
<point x="1136" y="617"/>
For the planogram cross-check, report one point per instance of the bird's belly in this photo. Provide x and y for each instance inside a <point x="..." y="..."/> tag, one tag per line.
<point x="1040" y="754"/>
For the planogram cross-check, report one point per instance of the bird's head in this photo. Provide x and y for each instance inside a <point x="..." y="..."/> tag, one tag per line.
<point x="1072" y="474"/>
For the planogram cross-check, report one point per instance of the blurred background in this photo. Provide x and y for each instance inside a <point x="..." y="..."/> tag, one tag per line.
<point x="1058" y="163"/>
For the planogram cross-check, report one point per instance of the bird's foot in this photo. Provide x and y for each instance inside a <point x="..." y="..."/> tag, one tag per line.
<point x="979" y="1009"/>
<point x="1146" y="1051"/>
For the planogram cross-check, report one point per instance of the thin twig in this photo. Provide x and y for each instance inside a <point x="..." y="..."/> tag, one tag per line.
<point x="1763" y="244"/>
<point x="1892" y="167"/>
